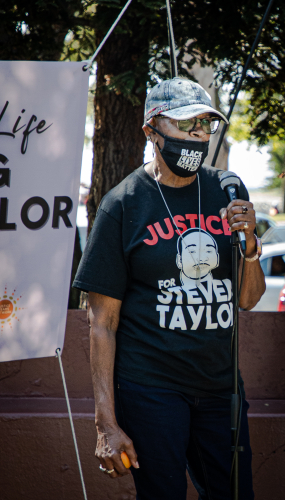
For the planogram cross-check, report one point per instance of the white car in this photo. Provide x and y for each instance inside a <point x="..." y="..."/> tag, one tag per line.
<point x="268" y="229"/>
<point x="272" y="262"/>
<point x="263" y="223"/>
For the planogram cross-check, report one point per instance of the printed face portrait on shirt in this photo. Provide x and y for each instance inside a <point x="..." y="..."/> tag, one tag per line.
<point x="189" y="256"/>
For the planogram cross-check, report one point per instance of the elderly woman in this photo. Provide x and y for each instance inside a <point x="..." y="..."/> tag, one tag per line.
<point x="157" y="267"/>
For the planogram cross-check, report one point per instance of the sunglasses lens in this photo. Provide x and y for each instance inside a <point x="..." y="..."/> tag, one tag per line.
<point x="209" y="126"/>
<point x="214" y="125"/>
<point x="186" y="125"/>
<point x="206" y="125"/>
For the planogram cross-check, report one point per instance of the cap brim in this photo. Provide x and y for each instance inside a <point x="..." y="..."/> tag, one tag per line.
<point x="187" y="112"/>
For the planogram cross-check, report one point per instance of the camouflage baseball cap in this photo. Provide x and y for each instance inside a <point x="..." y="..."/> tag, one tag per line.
<point x="180" y="99"/>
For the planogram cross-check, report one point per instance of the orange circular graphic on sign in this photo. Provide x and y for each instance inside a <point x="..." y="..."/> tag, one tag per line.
<point x="6" y="308"/>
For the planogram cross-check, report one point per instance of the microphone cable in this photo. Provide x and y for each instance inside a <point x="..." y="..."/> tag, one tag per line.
<point x="237" y="305"/>
<point x="240" y="394"/>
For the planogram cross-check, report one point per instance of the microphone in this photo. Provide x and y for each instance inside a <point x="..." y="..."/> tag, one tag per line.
<point x="230" y="183"/>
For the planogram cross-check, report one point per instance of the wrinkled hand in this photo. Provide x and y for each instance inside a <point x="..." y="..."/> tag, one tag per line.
<point x="241" y="213"/>
<point x="109" y="447"/>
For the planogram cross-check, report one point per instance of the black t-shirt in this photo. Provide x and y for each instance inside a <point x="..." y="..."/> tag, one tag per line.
<point x="172" y="333"/>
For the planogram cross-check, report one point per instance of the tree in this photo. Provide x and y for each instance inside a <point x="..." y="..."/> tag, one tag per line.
<point x="36" y="29"/>
<point x="232" y="35"/>
<point x="118" y="139"/>
<point x="277" y="165"/>
<point x="211" y="32"/>
<point x="122" y="75"/>
<point x="137" y="51"/>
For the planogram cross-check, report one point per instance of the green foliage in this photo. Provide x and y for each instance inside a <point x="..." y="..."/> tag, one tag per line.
<point x="80" y="41"/>
<point x="138" y="29"/>
<point x="35" y="29"/>
<point x="216" y="32"/>
<point x="78" y="44"/>
<point x="265" y="79"/>
<point x="276" y="163"/>
<point x="124" y="84"/>
<point x="239" y="129"/>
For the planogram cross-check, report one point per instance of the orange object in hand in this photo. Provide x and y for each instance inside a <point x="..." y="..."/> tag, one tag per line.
<point x="125" y="459"/>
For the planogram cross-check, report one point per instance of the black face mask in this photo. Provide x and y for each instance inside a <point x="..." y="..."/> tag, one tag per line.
<point x="184" y="158"/>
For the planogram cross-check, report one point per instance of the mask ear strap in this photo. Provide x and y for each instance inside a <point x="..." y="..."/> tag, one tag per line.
<point x="155" y="129"/>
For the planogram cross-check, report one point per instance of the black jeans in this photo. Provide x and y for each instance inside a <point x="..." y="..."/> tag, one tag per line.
<point x="172" y="432"/>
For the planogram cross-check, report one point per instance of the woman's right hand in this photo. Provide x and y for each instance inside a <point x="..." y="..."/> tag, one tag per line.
<point x="110" y="444"/>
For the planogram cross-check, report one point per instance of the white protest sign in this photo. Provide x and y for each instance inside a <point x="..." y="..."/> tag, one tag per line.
<point x="42" y="121"/>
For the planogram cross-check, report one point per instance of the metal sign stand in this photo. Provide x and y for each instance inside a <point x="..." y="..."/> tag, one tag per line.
<point x="58" y="355"/>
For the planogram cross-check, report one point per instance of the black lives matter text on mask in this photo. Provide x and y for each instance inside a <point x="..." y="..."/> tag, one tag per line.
<point x="62" y="205"/>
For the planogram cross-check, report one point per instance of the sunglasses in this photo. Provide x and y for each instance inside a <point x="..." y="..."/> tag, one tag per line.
<point x="208" y="125"/>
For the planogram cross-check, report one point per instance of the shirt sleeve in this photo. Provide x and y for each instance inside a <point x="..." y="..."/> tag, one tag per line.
<point x="103" y="268"/>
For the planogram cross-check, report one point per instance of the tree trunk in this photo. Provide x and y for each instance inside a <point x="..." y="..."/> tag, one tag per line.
<point x="118" y="137"/>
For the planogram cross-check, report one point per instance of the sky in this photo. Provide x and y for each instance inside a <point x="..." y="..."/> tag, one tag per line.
<point x="250" y="164"/>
